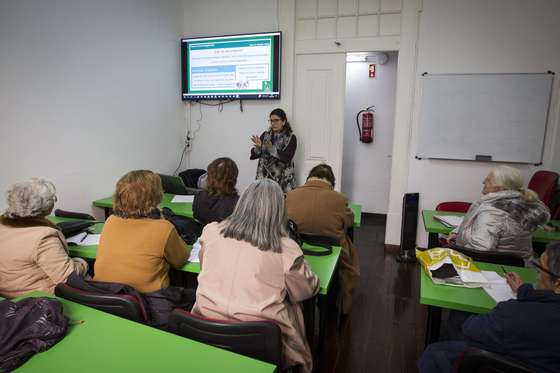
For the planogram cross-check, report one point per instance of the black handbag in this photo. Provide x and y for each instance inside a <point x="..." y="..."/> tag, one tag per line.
<point x="189" y="229"/>
<point x="325" y="242"/>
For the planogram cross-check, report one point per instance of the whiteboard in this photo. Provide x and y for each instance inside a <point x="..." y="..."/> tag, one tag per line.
<point x="492" y="117"/>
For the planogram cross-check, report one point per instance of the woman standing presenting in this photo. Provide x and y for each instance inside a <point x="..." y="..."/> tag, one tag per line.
<point x="275" y="149"/>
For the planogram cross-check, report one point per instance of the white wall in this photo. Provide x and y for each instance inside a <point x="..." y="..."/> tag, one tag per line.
<point x="227" y="133"/>
<point x="481" y="36"/>
<point x="366" y="168"/>
<point x="88" y="91"/>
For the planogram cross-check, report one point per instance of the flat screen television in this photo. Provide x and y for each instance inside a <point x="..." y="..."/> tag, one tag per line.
<point x="236" y="67"/>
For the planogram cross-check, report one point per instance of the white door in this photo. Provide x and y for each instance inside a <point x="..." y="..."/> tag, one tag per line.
<point x="319" y="112"/>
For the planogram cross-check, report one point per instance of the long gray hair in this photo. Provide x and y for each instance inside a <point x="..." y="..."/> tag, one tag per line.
<point x="259" y="216"/>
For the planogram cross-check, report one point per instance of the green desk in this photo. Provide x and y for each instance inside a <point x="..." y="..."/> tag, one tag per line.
<point x="107" y="343"/>
<point x="323" y="266"/>
<point x="185" y="209"/>
<point x="474" y="300"/>
<point x="434" y="227"/>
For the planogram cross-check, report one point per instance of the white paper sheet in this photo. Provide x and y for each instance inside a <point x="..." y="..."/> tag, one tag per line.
<point x="193" y="258"/>
<point x="497" y="288"/>
<point x="450" y="220"/>
<point x="84" y="239"/>
<point x="182" y="199"/>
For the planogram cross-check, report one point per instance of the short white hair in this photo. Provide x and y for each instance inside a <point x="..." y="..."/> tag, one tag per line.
<point x="32" y="198"/>
<point x="510" y="178"/>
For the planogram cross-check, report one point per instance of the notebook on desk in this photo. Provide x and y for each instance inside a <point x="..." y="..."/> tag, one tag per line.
<point x="175" y="185"/>
<point x="449" y="220"/>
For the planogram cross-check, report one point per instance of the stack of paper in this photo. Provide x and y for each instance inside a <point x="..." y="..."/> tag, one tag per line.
<point x="497" y="287"/>
<point x="84" y="239"/>
<point x="450" y="221"/>
<point x="193" y="258"/>
<point x="182" y="199"/>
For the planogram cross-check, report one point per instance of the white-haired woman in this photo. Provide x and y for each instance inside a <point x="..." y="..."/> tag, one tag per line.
<point x="252" y="270"/>
<point x="504" y="217"/>
<point x="33" y="252"/>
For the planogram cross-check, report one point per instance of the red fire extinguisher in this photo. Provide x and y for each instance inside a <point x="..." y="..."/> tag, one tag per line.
<point x="366" y="128"/>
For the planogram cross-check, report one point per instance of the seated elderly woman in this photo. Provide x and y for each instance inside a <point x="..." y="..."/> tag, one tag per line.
<point x="504" y="217"/>
<point x="252" y="270"/>
<point x="318" y="209"/>
<point x="137" y="246"/>
<point x="525" y="329"/>
<point x="218" y="201"/>
<point x="33" y="252"/>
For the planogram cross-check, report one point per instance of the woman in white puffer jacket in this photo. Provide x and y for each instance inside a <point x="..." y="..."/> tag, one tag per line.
<point x="504" y="218"/>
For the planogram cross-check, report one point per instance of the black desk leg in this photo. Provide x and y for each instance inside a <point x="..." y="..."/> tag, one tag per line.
<point x="433" y="324"/>
<point x="433" y="240"/>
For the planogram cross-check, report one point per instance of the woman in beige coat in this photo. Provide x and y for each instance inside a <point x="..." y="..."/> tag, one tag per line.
<point x="33" y="252"/>
<point x="252" y="271"/>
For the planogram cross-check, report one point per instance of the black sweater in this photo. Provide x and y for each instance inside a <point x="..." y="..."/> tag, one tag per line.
<point x="207" y="208"/>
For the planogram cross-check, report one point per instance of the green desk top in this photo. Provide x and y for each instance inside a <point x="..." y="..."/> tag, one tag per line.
<point x="433" y="226"/>
<point x="185" y="209"/>
<point x="473" y="300"/>
<point x="322" y="266"/>
<point x="357" y="210"/>
<point x="107" y="343"/>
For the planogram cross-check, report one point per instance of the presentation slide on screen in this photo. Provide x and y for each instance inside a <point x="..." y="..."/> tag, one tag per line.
<point x="231" y="65"/>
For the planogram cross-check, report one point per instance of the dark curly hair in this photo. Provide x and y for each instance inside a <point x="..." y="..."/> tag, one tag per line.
<point x="222" y="177"/>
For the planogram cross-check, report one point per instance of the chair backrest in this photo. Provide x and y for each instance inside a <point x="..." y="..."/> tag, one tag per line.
<point x="257" y="339"/>
<point x="453" y="206"/>
<point x="544" y="183"/>
<point x="490" y="256"/>
<point x="481" y="361"/>
<point x="123" y="305"/>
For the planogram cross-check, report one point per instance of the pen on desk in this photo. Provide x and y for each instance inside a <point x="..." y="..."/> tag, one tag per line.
<point x="84" y="237"/>
<point x="503" y="270"/>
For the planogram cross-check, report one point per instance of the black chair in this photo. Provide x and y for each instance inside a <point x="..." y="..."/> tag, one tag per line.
<point x="490" y="256"/>
<point x="257" y="339"/>
<point x="481" y="361"/>
<point x="123" y="305"/>
<point x="72" y="214"/>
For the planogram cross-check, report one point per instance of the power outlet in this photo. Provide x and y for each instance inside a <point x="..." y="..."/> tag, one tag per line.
<point x="188" y="141"/>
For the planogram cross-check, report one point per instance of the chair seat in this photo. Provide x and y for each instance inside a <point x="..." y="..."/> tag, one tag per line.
<point x="475" y="360"/>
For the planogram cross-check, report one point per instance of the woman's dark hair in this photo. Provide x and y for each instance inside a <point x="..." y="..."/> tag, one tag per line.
<point x="222" y="177"/>
<point x="282" y="115"/>
<point x="322" y="171"/>
<point x="553" y="257"/>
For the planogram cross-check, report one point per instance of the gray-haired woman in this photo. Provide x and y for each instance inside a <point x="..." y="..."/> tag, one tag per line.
<point x="504" y="217"/>
<point x="252" y="270"/>
<point x="33" y="252"/>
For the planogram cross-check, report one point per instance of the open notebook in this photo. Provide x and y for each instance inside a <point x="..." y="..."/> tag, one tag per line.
<point x="449" y="220"/>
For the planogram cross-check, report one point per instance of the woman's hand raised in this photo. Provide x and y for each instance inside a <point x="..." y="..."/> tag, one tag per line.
<point x="256" y="140"/>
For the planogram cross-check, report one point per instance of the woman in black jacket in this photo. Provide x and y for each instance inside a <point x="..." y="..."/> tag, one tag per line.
<point x="219" y="199"/>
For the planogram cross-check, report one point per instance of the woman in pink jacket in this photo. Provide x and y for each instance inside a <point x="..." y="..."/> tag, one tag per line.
<point x="33" y="252"/>
<point x="252" y="270"/>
